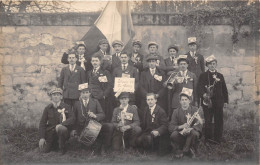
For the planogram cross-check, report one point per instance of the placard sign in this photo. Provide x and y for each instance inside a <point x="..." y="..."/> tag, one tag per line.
<point x="124" y="84"/>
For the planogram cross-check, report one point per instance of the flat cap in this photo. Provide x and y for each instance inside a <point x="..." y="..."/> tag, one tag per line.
<point x="173" y="47"/>
<point x="153" y="43"/>
<point x="117" y="42"/>
<point x="55" y="90"/>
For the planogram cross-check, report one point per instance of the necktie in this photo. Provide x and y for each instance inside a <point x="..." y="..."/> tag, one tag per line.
<point x="124" y="67"/>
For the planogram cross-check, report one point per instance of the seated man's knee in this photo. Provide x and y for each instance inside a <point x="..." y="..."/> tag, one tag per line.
<point x="136" y="130"/>
<point x="175" y="135"/>
<point x="62" y="129"/>
<point x="194" y="133"/>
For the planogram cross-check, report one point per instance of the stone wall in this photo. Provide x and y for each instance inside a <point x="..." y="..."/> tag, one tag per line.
<point x="30" y="63"/>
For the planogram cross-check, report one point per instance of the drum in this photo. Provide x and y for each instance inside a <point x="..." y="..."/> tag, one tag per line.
<point x="90" y="133"/>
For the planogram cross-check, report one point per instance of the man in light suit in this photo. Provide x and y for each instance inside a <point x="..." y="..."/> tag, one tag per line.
<point x="70" y="78"/>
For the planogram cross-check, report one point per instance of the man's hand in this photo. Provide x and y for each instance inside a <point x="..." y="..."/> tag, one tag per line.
<point x="185" y="125"/>
<point x="91" y="114"/>
<point x="124" y="128"/>
<point x="187" y="131"/>
<point x="42" y="142"/>
<point x="57" y="126"/>
<point x="73" y="133"/>
<point x="155" y="133"/>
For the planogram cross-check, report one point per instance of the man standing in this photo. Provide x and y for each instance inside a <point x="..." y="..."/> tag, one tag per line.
<point x="213" y="91"/>
<point x="171" y="62"/>
<point x="151" y="81"/>
<point x="153" y="51"/>
<point x="183" y="78"/>
<point x="83" y="59"/>
<point x="70" y="78"/>
<point x="136" y="59"/>
<point x="128" y="71"/>
<point x="56" y="122"/>
<point x="196" y="61"/>
<point x="126" y="123"/>
<point x="154" y="125"/>
<point x="100" y="85"/>
<point x="86" y="109"/>
<point x="184" y="130"/>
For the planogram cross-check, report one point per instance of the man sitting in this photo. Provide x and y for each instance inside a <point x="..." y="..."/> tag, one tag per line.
<point x="126" y="123"/>
<point x="185" y="142"/>
<point x="56" y="123"/>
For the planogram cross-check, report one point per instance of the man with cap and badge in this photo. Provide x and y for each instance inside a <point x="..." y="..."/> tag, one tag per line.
<point x="126" y="124"/>
<point x="151" y="81"/>
<point x="103" y="47"/>
<point x="118" y="47"/>
<point x="213" y="91"/>
<point x="153" y="51"/>
<point x="185" y="126"/>
<point x="56" y="122"/>
<point x="70" y="77"/>
<point x="86" y="109"/>
<point x="136" y="59"/>
<point x="196" y="60"/>
<point x="154" y="124"/>
<point x="184" y="78"/>
<point x="100" y="84"/>
<point x="79" y="50"/>
<point x="127" y="71"/>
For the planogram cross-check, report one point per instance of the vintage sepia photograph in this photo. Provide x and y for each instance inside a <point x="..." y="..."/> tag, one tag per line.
<point x="129" y="82"/>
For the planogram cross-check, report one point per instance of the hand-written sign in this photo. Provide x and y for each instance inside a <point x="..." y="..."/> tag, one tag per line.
<point x="124" y="84"/>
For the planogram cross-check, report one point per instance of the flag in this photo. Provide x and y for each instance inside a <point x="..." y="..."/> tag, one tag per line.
<point x="114" y="23"/>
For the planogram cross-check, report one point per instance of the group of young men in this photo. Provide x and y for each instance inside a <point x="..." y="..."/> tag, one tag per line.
<point x="164" y="112"/>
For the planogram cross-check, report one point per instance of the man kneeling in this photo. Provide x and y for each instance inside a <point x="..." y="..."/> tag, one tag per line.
<point x="126" y="123"/>
<point x="56" y="121"/>
<point x="155" y="134"/>
<point x="185" y="126"/>
<point x="87" y="109"/>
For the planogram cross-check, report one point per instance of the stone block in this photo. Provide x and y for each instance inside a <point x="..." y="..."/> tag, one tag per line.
<point x="8" y="69"/>
<point x="8" y="90"/>
<point x="243" y="68"/>
<point x="6" y="51"/>
<point x="18" y="69"/>
<point x="44" y="61"/>
<point x="17" y="60"/>
<point x="29" y="60"/>
<point x="8" y="29"/>
<point x="46" y="38"/>
<point x="7" y="59"/>
<point x="18" y="80"/>
<point x="225" y="71"/>
<point x="249" y="93"/>
<point x="32" y="68"/>
<point x="23" y="29"/>
<point x="248" y="78"/>
<point x="6" y="80"/>
<point x="235" y="96"/>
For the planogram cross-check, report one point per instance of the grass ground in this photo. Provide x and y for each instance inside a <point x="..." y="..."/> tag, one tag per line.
<point x="20" y="145"/>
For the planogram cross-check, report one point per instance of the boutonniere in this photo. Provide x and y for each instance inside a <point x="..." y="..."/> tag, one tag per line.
<point x="76" y="71"/>
<point x="196" y="59"/>
<point x="138" y="59"/>
<point x="101" y="74"/>
<point x="216" y="78"/>
<point x="186" y="78"/>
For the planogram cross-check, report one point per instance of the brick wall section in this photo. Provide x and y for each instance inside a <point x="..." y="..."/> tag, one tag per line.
<point x="30" y="63"/>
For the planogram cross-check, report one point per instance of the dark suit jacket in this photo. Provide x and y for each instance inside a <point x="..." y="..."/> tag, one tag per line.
<point x="169" y="66"/>
<point x="177" y="88"/>
<point x="130" y="70"/>
<point x="99" y="89"/>
<point x="51" y="117"/>
<point x="88" y="65"/>
<point x="79" y="109"/>
<point x="114" y="63"/>
<point x="149" y="84"/>
<point x="220" y="92"/>
<point x="160" y="123"/>
<point x="69" y="81"/>
<point x="132" y="123"/>
<point x="139" y="63"/>
<point x="198" y="68"/>
<point x="179" y="118"/>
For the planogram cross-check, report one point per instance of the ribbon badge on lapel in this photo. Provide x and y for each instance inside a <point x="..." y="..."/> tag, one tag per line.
<point x="62" y="111"/>
<point x="157" y="77"/>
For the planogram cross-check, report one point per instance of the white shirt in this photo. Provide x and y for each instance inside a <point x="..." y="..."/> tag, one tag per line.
<point x="125" y="108"/>
<point x="104" y="53"/>
<point x="72" y="67"/>
<point x="192" y="53"/>
<point x="85" y="102"/>
<point x="152" y="108"/>
<point x="212" y="71"/>
<point x="135" y="55"/>
<point x="124" y="66"/>
<point x="118" y="54"/>
<point x="152" y="71"/>
<point x="96" y="69"/>
<point x="183" y="73"/>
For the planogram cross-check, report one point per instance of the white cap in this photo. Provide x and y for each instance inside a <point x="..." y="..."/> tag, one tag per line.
<point x="191" y="40"/>
<point x="210" y="58"/>
<point x="186" y="91"/>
